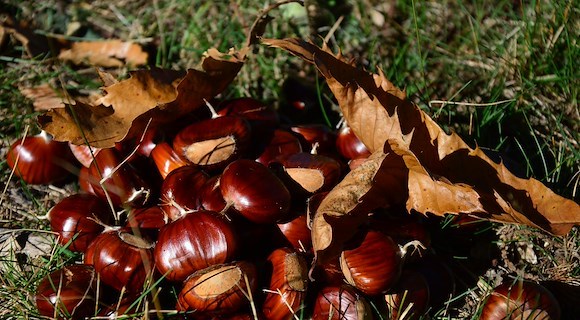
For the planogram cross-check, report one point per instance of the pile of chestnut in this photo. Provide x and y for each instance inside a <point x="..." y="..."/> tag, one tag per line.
<point x="209" y="218"/>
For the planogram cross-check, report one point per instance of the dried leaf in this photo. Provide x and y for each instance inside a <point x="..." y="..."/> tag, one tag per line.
<point x="43" y="97"/>
<point x="105" y="53"/>
<point x="158" y="95"/>
<point x="443" y="174"/>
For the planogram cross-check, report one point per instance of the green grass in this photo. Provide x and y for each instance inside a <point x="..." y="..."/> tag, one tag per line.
<point x="508" y="70"/>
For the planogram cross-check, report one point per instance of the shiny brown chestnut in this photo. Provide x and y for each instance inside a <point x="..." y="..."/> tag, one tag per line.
<point x="79" y="219"/>
<point x="219" y="289"/>
<point x="213" y="143"/>
<point x="147" y="221"/>
<point x="297" y="233"/>
<point x="341" y="303"/>
<point x="122" y="184"/>
<point x="288" y="285"/>
<point x="84" y="181"/>
<point x="309" y="173"/>
<point x="194" y="242"/>
<point x="349" y="145"/>
<point x="282" y="143"/>
<point x="121" y="259"/>
<point x="254" y="191"/>
<point x="210" y="195"/>
<point x="180" y="191"/>
<point x="84" y="153"/>
<point x="521" y="300"/>
<point x="41" y="160"/>
<point x="166" y="159"/>
<point x="318" y="134"/>
<point x="69" y="292"/>
<point x="263" y="120"/>
<point x="374" y="265"/>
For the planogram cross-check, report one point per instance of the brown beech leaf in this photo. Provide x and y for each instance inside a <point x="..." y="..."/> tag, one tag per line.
<point x="105" y="53"/>
<point x="444" y="175"/>
<point x="149" y="97"/>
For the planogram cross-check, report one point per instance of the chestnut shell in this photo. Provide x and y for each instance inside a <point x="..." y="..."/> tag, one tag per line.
<point x="68" y="292"/>
<point x="194" y="242"/>
<point x="41" y="160"/>
<point x="75" y="218"/>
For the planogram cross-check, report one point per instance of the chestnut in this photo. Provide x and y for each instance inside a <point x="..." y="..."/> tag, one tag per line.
<point x="254" y="191"/>
<point x="41" y="160"/>
<point x="349" y="145"/>
<point x="297" y="233"/>
<point x="213" y="143"/>
<point x="194" y="242"/>
<point x="318" y="134"/>
<point x="121" y="184"/>
<point x="282" y="143"/>
<point x="210" y="195"/>
<point x="263" y="120"/>
<point x="219" y="289"/>
<point x="310" y="173"/>
<point x="79" y="219"/>
<point x="69" y="292"/>
<point x="180" y="191"/>
<point x="341" y="303"/>
<point x="521" y="300"/>
<point x="122" y="260"/>
<point x="84" y="181"/>
<point x="147" y="221"/>
<point x="374" y="265"/>
<point x="288" y="284"/>
<point x="84" y="153"/>
<point x="166" y="159"/>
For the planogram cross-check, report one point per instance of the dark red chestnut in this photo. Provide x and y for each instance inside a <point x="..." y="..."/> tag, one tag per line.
<point x="341" y="303"/>
<point x="213" y="143"/>
<point x="521" y="300"/>
<point x="84" y="153"/>
<point x="147" y="221"/>
<point x="318" y="134"/>
<point x="374" y="265"/>
<point x="255" y="191"/>
<point x="41" y="160"/>
<point x="219" y="289"/>
<point x="283" y="143"/>
<point x="297" y="233"/>
<point x="194" y="242"/>
<point x="69" y="292"/>
<point x="166" y="159"/>
<point x="180" y="191"/>
<point x="121" y="183"/>
<point x="253" y="110"/>
<point x="210" y="196"/>
<point x="349" y="145"/>
<point x="79" y="219"/>
<point x="310" y="173"/>
<point x="288" y="284"/>
<point x="84" y="181"/>
<point x="121" y="259"/>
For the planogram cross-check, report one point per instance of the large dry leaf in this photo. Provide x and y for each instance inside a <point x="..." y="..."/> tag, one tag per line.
<point x="105" y="53"/>
<point x="149" y="97"/>
<point x="444" y="175"/>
